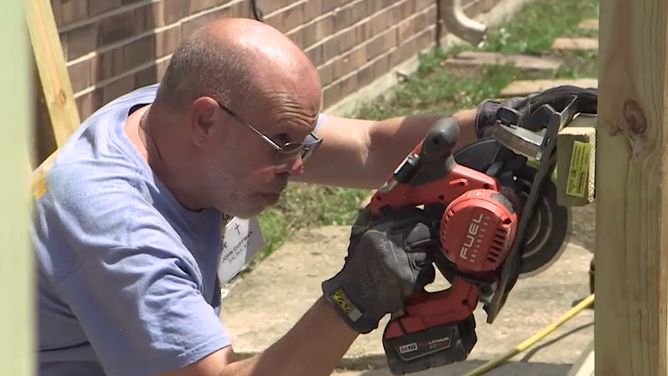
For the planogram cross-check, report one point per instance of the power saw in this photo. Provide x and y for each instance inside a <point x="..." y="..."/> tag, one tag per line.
<point x="494" y="207"/>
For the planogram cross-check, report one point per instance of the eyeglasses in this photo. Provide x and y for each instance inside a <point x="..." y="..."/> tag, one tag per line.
<point x="290" y="150"/>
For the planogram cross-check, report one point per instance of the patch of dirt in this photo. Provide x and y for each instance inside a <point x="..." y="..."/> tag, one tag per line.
<point x="459" y="71"/>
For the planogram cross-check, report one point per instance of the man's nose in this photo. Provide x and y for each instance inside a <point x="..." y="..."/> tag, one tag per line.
<point x="293" y="168"/>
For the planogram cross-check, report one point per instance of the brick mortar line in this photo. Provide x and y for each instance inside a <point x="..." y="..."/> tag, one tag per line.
<point x="113" y="12"/>
<point x="122" y="43"/>
<point x="395" y="27"/>
<point x="279" y="10"/>
<point x="101" y="84"/>
<point x="153" y="31"/>
<point x="501" y="11"/>
<point x="370" y="62"/>
<point x="157" y="30"/>
<point x="364" y="20"/>
<point x="325" y="15"/>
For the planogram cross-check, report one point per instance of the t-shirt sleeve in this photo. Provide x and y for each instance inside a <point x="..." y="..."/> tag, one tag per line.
<point x="137" y="298"/>
<point x="142" y="311"/>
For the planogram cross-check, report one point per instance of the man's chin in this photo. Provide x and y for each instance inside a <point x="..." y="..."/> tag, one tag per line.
<point x="258" y="203"/>
<point x="270" y="199"/>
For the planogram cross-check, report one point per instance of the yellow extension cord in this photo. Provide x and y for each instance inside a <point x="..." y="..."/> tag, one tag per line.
<point x="532" y="340"/>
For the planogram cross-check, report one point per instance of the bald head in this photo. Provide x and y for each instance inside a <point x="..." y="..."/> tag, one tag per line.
<point x="236" y="61"/>
<point x="211" y="157"/>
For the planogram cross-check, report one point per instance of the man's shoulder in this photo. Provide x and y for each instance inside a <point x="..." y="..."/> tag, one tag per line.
<point x="81" y="209"/>
<point x="95" y="192"/>
<point x="104" y="124"/>
<point x="145" y="94"/>
<point x="97" y="160"/>
<point x="96" y="183"/>
<point x="69" y="176"/>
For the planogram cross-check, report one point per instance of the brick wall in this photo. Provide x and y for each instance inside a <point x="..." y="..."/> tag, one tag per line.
<point x="114" y="46"/>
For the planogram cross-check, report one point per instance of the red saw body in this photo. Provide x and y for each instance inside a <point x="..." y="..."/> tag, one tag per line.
<point x="477" y="214"/>
<point x="477" y="230"/>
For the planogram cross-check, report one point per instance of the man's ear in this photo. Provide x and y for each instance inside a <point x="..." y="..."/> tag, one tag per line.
<point x="205" y="113"/>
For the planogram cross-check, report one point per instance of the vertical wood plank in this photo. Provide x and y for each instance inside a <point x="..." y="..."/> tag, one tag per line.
<point x="50" y="62"/>
<point x="17" y="323"/>
<point x="632" y="190"/>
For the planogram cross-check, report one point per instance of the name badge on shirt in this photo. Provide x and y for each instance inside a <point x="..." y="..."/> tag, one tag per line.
<point x="241" y="240"/>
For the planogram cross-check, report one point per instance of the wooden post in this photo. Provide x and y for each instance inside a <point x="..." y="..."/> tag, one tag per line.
<point x="632" y="190"/>
<point x="17" y="316"/>
<point x="53" y="78"/>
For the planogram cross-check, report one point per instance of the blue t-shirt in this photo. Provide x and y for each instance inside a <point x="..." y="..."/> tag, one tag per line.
<point x="127" y="277"/>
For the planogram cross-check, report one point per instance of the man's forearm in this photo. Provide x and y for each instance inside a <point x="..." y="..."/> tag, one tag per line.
<point x="392" y="139"/>
<point x="312" y="347"/>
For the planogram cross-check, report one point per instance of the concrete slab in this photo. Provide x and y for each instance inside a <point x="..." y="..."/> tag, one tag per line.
<point x="526" y="87"/>
<point x="585" y="365"/>
<point x="590" y="23"/>
<point x="587" y="44"/>
<point x="459" y="369"/>
<point x="269" y="300"/>
<point x="519" y="61"/>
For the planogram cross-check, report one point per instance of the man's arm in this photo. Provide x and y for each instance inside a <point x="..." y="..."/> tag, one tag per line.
<point x="300" y="352"/>
<point x="359" y="153"/>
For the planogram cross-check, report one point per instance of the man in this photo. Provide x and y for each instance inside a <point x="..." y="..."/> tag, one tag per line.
<point x="127" y="215"/>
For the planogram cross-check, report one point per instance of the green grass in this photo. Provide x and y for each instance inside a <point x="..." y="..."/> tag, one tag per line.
<point x="539" y="23"/>
<point x="304" y="206"/>
<point x="437" y="88"/>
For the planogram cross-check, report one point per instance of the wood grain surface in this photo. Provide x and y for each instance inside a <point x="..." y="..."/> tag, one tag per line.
<point x="631" y="190"/>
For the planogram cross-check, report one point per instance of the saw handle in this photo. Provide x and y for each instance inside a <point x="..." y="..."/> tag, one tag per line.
<point x="430" y="159"/>
<point x="435" y="152"/>
<point x="442" y="137"/>
<point x="430" y="174"/>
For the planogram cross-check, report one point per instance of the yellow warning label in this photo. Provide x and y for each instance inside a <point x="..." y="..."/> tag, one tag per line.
<point x="342" y="301"/>
<point x="578" y="169"/>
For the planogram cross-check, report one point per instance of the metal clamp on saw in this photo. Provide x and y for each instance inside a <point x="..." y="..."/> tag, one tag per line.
<point x="498" y="220"/>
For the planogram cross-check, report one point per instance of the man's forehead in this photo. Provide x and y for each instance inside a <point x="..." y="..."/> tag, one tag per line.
<point x="295" y="122"/>
<point x="293" y="111"/>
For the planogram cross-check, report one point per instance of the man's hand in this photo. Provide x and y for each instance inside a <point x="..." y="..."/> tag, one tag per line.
<point x="386" y="261"/>
<point x="558" y="97"/>
<point x="486" y="113"/>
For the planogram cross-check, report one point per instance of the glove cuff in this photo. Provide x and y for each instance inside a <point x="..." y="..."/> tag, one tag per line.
<point x="485" y="116"/>
<point x="350" y="312"/>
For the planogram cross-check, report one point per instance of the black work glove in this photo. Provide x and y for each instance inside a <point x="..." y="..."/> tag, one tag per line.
<point x="365" y="220"/>
<point x="386" y="261"/>
<point x="557" y="97"/>
<point x="486" y="113"/>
